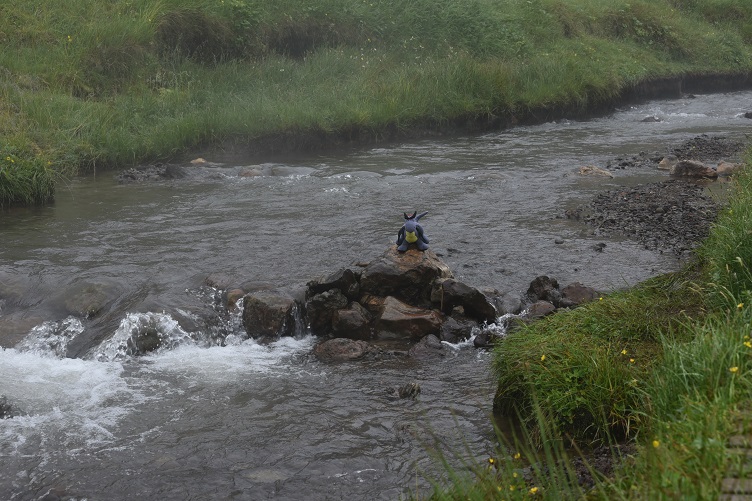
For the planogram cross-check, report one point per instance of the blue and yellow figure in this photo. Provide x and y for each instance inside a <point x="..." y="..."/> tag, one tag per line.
<point x="412" y="233"/>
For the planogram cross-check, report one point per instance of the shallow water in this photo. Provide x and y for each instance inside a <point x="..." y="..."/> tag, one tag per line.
<point x="217" y="416"/>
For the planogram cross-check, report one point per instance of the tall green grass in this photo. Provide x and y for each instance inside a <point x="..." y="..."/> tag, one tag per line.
<point x="93" y="84"/>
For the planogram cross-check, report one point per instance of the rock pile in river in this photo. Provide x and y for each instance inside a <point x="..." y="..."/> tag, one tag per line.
<point x="408" y="299"/>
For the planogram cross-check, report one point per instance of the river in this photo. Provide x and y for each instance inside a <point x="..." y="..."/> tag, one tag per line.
<point x="217" y="416"/>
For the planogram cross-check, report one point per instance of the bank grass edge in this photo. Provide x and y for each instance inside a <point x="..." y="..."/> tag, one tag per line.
<point x="665" y="367"/>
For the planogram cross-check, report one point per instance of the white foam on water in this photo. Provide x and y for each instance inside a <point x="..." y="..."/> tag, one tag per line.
<point x="61" y="403"/>
<point x="220" y="364"/>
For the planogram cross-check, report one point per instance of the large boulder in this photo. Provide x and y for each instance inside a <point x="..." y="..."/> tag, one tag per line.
<point x="449" y="293"/>
<point x="269" y="314"/>
<point x="407" y="276"/>
<point x="399" y="320"/>
<point x="320" y="310"/>
<point x="343" y="350"/>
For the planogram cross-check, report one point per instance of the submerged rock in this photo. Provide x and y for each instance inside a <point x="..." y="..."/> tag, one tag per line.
<point x="269" y="314"/>
<point x="343" y="350"/>
<point x="428" y="347"/>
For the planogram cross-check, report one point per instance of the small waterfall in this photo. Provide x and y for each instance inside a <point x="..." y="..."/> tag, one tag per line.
<point x="51" y="339"/>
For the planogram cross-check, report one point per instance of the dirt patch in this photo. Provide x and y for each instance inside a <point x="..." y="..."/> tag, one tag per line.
<point x="670" y="216"/>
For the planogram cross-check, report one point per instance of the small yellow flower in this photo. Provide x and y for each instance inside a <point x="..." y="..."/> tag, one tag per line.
<point x="748" y="344"/>
<point x="543" y="357"/>
<point x="656" y="444"/>
<point x="490" y="460"/>
<point x="623" y="352"/>
<point x="511" y="487"/>
<point x="517" y="456"/>
<point x="514" y="474"/>
<point x="533" y="490"/>
<point x="734" y="370"/>
<point x="740" y="306"/>
<point x="600" y="299"/>
<point x="631" y="360"/>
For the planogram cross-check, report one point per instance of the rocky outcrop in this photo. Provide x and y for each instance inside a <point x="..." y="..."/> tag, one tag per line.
<point x="344" y="350"/>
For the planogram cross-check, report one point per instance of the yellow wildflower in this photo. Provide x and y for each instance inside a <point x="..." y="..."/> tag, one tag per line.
<point x="631" y="360"/>
<point x="543" y="357"/>
<point x="748" y="344"/>
<point x="656" y="444"/>
<point x="740" y="306"/>
<point x="734" y="370"/>
<point x="517" y="456"/>
<point x="624" y="352"/>
<point x="533" y="490"/>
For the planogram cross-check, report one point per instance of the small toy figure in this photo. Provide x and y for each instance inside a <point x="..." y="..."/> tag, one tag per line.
<point x="412" y="233"/>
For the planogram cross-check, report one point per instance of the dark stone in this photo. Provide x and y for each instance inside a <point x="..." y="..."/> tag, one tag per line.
<point x="352" y="323"/>
<point x="545" y="289"/>
<point x="454" y="331"/>
<point x="409" y="390"/>
<point x="540" y="309"/>
<point x="89" y="299"/>
<point x="343" y="350"/>
<point x="402" y="321"/>
<point x="428" y="347"/>
<point x="748" y="114"/>
<point x="450" y="293"/>
<point x="269" y="314"/>
<point x="320" y="310"/>
<point x="576" y="294"/>
<point x="344" y="280"/>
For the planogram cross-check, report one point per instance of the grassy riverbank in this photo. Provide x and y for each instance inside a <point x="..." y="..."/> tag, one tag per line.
<point x="665" y="366"/>
<point x="89" y="85"/>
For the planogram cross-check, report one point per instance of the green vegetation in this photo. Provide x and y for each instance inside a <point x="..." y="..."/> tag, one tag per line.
<point x="88" y="84"/>
<point x="665" y="366"/>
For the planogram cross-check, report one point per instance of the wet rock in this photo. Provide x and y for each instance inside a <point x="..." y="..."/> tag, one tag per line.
<point x="399" y="320"/>
<point x="449" y="293"/>
<point x="89" y="299"/>
<point x="269" y="314"/>
<point x="231" y="298"/>
<point x="540" y="309"/>
<point x="343" y="350"/>
<point x="352" y="322"/>
<point x="544" y="288"/>
<point x="748" y="114"/>
<point x="344" y="280"/>
<point x="15" y="326"/>
<point x="320" y="310"/>
<point x="651" y="119"/>
<point x="507" y="303"/>
<point x="576" y="294"/>
<point x="428" y="347"/>
<point x="725" y="169"/>
<point x="591" y="170"/>
<point x="668" y="162"/>
<point x="408" y="276"/>
<point x="454" y="330"/>
<point x="692" y="168"/>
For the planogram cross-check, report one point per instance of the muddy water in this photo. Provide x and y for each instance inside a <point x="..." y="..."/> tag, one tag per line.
<point x="216" y="416"/>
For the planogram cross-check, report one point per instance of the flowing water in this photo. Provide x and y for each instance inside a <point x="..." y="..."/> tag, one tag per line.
<point x="214" y="415"/>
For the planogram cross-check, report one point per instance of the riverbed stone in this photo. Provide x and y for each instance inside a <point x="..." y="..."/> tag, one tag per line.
<point x="269" y="314"/>
<point x="544" y="288"/>
<point x="344" y="349"/>
<point x="407" y="276"/>
<point x="454" y="330"/>
<point x="345" y="280"/>
<point x="399" y="320"/>
<point x="320" y="310"/>
<point x="668" y="162"/>
<point x="692" y="168"/>
<point x="6" y="409"/>
<point x="576" y="294"/>
<point x="725" y="169"/>
<point x="353" y="322"/>
<point x="449" y="293"/>
<point x="428" y="347"/>
<point x="88" y="299"/>
<point x="540" y="309"/>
